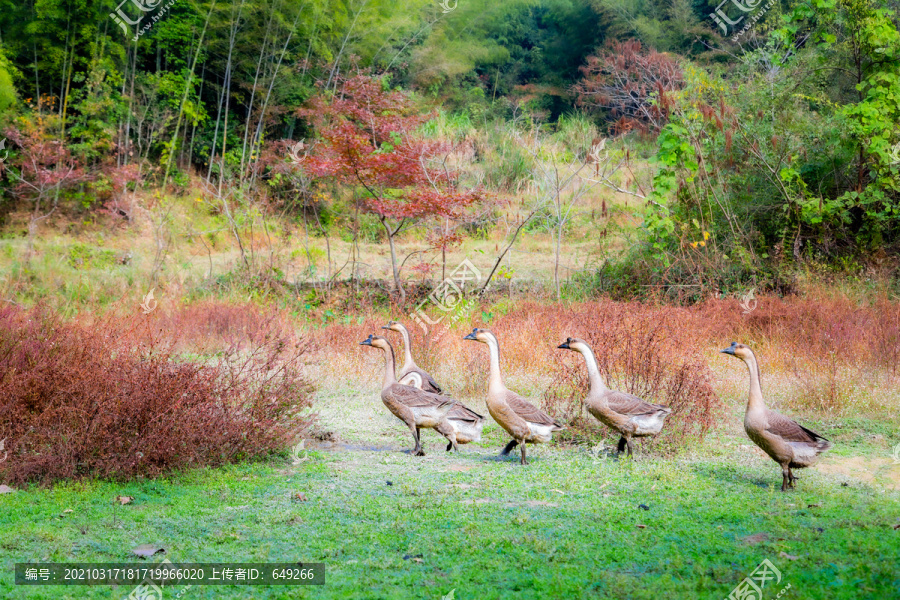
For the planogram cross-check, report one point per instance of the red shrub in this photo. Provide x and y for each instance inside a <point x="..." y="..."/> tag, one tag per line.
<point x="113" y="399"/>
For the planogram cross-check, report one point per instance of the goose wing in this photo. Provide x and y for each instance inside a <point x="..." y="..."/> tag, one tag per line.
<point x="461" y="412"/>
<point x="793" y="432"/>
<point x="428" y="382"/>
<point x="416" y="398"/>
<point x="530" y="412"/>
<point x="631" y="405"/>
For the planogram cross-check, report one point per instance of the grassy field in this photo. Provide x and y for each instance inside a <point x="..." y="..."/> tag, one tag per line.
<point x="574" y="523"/>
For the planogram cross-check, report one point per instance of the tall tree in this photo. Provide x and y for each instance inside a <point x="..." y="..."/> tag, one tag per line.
<point x="369" y="141"/>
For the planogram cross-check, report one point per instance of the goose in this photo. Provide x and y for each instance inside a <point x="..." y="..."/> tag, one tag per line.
<point x="410" y="373"/>
<point x="417" y="408"/>
<point x="462" y="425"/>
<point x="625" y="413"/>
<point x="788" y="443"/>
<point x="524" y="422"/>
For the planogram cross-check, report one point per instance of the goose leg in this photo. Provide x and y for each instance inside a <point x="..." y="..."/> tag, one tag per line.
<point x="524" y="460"/>
<point x="622" y="443"/>
<point x="628" y="443"/>
<point x="785" y="477"/>
<point x="418" y="449"/>
<point x="509" y="447"/>
<point x="791" y="477"/>
<point x="450" y="446"/>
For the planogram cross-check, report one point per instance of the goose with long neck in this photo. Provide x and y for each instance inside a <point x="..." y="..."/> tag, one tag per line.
<point x="521" y="419"/>
<point x="462" y="425"/>
<point x="410" y="372"/>
<point x="624" y="413"/>
<point x="788" y="443"/>
<point x="417" y="408"/>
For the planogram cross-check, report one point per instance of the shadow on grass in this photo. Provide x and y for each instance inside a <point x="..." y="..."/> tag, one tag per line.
<point x="730" y="474"/>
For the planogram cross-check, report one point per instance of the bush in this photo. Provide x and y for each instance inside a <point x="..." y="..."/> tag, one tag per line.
<point x="112" y="398"/>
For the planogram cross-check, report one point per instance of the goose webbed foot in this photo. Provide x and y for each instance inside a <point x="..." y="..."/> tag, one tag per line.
<point x="785" y="479"/>
<point x="509" y="447"/>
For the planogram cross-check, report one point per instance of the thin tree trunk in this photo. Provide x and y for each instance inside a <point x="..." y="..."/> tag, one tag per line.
<point x="187" y="87"/>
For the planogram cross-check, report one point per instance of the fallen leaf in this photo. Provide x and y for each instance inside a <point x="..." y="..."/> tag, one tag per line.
<point x="147" y="550"/>
<point x="756" y="538"/>
<point x="68" y="510"/>
<point x="415" y="557"/>
<point x="816" y="505"/>
<point x="788" y="556"/>
<point x="558" y="491"/>
<point x="643" y="506"/>
<point x="604" y="485"/>
<point x="299" y="497"/>
<point x="897" y="526"/>
<point x="418" y="560"/>
<point x="640" y="526"/>
<point x="5" y="489"/>
<point x="123" y="500"/>
<point x="540" y="503"/>
<point x="460" y="468"/>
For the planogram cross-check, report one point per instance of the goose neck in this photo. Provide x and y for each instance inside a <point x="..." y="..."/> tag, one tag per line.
<point x="389" y="377"/>
<point x="407" y="352"/>
<point x="755" y="401"/>
<point x="596" y="380"/>
<point x="495" y="382"/>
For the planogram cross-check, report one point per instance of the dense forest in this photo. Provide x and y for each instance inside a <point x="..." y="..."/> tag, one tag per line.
<point x="754" y="138"/>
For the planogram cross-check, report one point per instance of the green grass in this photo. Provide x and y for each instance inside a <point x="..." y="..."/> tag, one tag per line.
<point x="566" y="526"/>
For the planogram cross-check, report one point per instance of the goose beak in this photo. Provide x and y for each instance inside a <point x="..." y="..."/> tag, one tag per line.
<point x="564" y="346"/>
<point x="471" y="336"/>
<point x="388" y="326"/>
<point x="729" y="349"/>
<point x="367" y="341"/>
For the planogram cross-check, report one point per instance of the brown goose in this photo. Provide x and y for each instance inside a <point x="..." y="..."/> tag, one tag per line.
<point x="418" y="409"/>
<point x="524" y="422"/>
<point x="410" y="373"/>
<point x="462" y="424"/>
<point x="790" y="444"/>
<point x="625" y="413"/>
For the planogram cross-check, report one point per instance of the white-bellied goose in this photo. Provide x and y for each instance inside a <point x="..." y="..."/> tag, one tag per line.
<point x="524" y="422"/>
<point x="462" y="425"/>
<point x="625" y="413"/>
<point x="417" y="408"/>
<point x="790" y="444"/>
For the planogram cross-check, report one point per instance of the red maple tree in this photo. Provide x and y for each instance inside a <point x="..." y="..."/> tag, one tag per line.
<point x="368" y="138"/>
